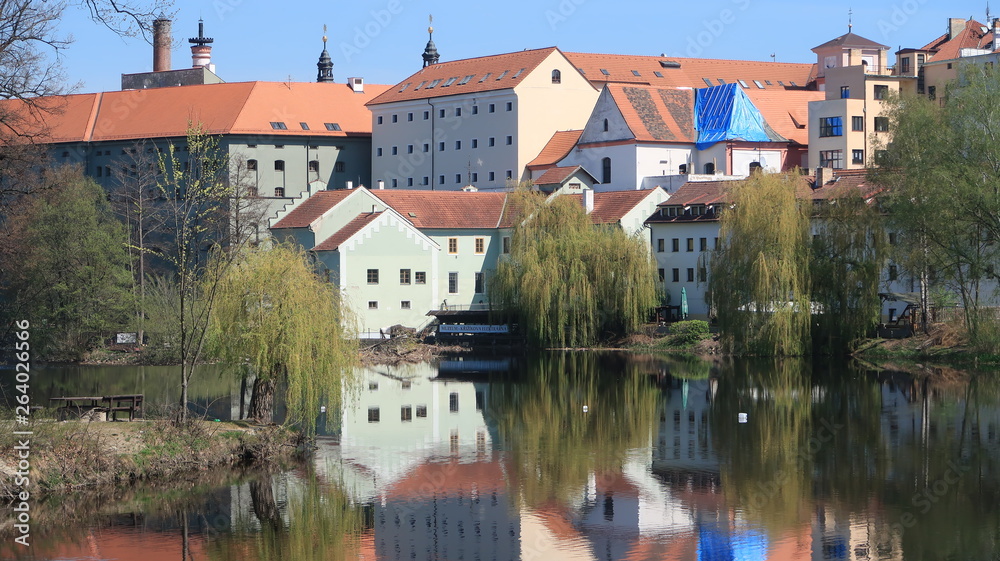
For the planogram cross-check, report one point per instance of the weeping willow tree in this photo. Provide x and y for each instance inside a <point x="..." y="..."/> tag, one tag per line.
<point x="276" y="321"/>
<point x="760" y="274"/>
<point x="568" y="282"/>
<point x="554" y="443"/>
<point x="846" y="266"/>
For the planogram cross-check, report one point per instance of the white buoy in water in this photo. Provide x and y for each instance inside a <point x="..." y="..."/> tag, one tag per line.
<point x="742" y="417"/>
<point x="585" y="408"/>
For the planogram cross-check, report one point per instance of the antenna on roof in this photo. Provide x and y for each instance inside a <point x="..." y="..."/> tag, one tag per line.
<point x="772" y="57"/>
<point x="850" y="19"/>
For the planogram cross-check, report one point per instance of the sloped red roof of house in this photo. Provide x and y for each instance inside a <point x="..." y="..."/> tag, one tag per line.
<point x="470" y="75"/>
<point x="351" y="228"/>
<point x="688" y="72"/>
<point x="656" y="114"/>
<point x="557" y="148"/>
<point x="430" y="478"/>
<point x="447" y="209"/>
<point x="312" y="208"/>
<point x="612" y="206"/>
<point x="787" y="111"/>
<point x="972" y="37"/>
<point x="229" y="108"/>
<point x="556" y="175"/>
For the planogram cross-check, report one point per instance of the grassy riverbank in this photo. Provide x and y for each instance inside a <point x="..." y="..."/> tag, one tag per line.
<point x="72" y="455"/>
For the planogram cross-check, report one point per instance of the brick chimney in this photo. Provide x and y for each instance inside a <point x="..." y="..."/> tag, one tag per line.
<point x="823" y="175"/>
<point x="162" y="40"/>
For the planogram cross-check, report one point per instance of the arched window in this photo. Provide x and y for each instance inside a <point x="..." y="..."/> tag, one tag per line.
<point x="682" y="169"/>
<point x="252" y="165"/>
<point x="710" y="168"/>
<point x="605" y="125"/>
<point x="606" y="170"/>
<point x="314" y="166"/>
<point x="556" y="77"/>
<point x="279" y="165"/>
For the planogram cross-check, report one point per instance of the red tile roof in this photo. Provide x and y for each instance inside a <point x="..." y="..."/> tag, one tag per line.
<point x="611" y="206"/>
<point x="656" y="114"/>
<point x="971" y="37"/>
<point x="351" y="228"/>
<point x="229" y="108"/>
<point x="488" y="73"/>
<point x="690" y="72"/>
<point x="312" y="208"/>
<point x="555" y="176"/>
<point x="558" y="147"/>
<point x="447" y="209"/>
<point x="785" y="110"/>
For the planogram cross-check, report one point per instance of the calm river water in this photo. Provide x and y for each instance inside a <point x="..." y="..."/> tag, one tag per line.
<point x="577" y="456"/>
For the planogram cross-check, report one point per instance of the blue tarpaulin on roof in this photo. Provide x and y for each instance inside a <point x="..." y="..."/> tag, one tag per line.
<point x="726" y="113"/>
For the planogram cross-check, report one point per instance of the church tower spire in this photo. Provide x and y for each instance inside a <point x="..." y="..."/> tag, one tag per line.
<point x="325" y="64"/>
<point x="431" y="55"/>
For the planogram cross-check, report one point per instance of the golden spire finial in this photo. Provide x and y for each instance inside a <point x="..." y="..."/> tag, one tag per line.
<point x="324" y="35"/>
<point x="430" y="19"/>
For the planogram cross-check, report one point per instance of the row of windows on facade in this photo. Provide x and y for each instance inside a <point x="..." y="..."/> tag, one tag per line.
<point x="835" y="158"/>
<point x="675" y="275"/>
<point x="675" y="244"/>
<point x="834" y="126"/>
<point x="406" y="411"/>
<point x="279" y="165"/>
<point x="880" y="91"/>
<point x="443" y="113"/>
<point x="472" y="177"/>
<point x="420" y="277"/>
<point x="490" y="142"/>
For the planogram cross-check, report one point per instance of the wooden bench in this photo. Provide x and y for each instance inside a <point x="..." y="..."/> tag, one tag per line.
<point x="111" y="405"/>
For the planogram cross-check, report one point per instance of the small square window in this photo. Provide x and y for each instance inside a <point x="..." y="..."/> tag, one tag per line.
<point x="441" y="113"/>
<point x="492" y="108"/>
<point x="409" y="148"/>
<point x="458" y="178"/>
<point x="373" y="415"/>
<point x="394" y="151"/>
<point x="510" y="140"/>
<point x="409" y="116"/>
<point x="453" y="245"/>
<point x="475" y="109"/>
<point x="404" y="305"/>
<point x="493" y="176"/>
<point x="458" y="145"/>
<point x="404" y="276"/>
<point x="420" y="277"/>
<point x="379" y="119"/>
<point x="372" y="276"/>
<point x="427" y="115"/>
<point x="480" y="246"/>
<point x="372" y="305"/>
<point x="510" y="106"/>
<point x="492" y="142"/>
<point x="475" y="143"/>
<point x="427" y="147"/>
<point x="340" y="167"/>
<point x="440" y="146"/>
<point x="458" y="111"/>
<point x="406" y="413"/>
<point x="394" y="118"/>
<point x="421" y="411"/>
<point x="378" y="152"/>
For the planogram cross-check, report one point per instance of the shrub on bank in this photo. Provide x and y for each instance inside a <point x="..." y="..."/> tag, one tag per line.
<point x="688" y="332"/>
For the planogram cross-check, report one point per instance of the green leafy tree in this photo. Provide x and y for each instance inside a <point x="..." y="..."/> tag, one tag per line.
<point x="568" y="282"/>
<point x="760" y="274"/>
<point x="942" y="168"/>
<point x="65" y="266"/>
<point x="279" y="323"/>
<point x="846" y="266"/>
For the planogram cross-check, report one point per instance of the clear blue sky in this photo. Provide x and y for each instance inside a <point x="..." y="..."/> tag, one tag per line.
<point x="382" y="41"/>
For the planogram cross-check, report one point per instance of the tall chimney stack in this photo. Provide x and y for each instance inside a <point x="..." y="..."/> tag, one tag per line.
<point x="161" y="44"/>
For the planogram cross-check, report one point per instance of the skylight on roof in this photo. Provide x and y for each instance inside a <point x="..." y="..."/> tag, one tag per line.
<point x="502" y="74"/>
<point x="486" y="77"/>
<point x="658" y="74"/>
<point x="518" y="74"/>
<point x="605" y="72"/>
<point x="406" y="85"/>
<point x="744" y="84"/>
<point x="722" y="82"/>
<point x="450" y="81"/>
<point x="670" y="64"/>
<point x="768" y="82"/>
<point x="758" y="84"/>
<point x="279" y="126"/>
<point x="708" y="82"/>
<point x="434" y="84"/>
<point x="794" y="84"/>
<point x="780" y="83"/>
<point x="420" y="85"/>
<point x="581" y="71"/>
<point x="305" y="126"/>
<point x="636" y="73"/>
<point x="466" y="80"/>
<point x="332" y="126"/>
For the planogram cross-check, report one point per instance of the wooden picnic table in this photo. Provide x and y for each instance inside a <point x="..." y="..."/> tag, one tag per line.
<point x="110" y="404"/>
